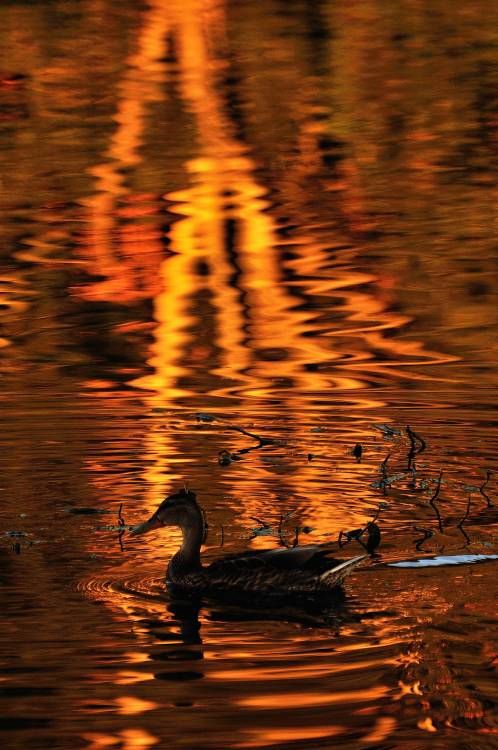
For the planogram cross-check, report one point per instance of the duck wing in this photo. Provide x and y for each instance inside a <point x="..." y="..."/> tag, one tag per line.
<point x="299" y="570"/>
<point x="308" y="557"/>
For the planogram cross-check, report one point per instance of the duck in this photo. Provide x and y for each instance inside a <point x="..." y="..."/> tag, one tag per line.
<point x="302" y="570"/>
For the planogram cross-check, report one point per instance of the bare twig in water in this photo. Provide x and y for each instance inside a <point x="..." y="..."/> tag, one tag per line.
<point x="261" y="440"/>
<point x="434" y="498"/>
<point x="414" y="448"/>
<point x="262" y="523"/>
<point x="222" y="540"/>
<point x="428" y="533"/>
<point x="383" y="471"/>
<point x="241" y="451"/>
<point x="460" y="524"/>
<point x="201" y="417"/>
<point x="122" y="525"/>
<point x="382" y="506"/>
<point x="481" y="489"/>
<point x="388" y="431"/>
<point x="423" y="444"/>
<point x="350" y="535"/>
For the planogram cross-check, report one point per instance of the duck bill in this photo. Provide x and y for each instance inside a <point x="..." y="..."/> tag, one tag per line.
<point x="144" y="528"/>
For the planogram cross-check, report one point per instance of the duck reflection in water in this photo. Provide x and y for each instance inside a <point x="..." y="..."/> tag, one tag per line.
<point x="178" y="636"/>
<point x="277" y="573"/>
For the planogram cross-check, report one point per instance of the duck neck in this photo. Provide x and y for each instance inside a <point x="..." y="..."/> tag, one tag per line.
<point x="188" y="558"/>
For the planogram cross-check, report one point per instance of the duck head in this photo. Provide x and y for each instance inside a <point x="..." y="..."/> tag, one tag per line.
<point x="179" y="509"/>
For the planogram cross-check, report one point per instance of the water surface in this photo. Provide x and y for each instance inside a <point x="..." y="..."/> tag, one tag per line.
<point x="282" y="216"/>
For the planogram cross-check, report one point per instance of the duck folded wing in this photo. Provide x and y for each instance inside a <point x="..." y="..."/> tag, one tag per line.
<point x="296" y="558"/>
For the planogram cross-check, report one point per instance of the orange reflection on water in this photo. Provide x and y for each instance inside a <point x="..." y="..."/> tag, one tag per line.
<point x="129" y="705"/>
<point x="287" y="671"/>
<point x="130" y="678"/>
<point x="127" y="739"/>
<point x="127" y="255"/>
<point x="427" y="724"/>
<point x="384" y="726"/>
<point x="298" y="700"/>
<point x="277" y="736"/>
<point x="271" y="278"/>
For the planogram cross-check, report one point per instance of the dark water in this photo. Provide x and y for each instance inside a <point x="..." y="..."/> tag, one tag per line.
<point x="283" y="214"/>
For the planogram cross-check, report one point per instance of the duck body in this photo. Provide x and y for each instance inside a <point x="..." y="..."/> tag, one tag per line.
<point x="301" y="570"/>
<point x="306" y="570"/>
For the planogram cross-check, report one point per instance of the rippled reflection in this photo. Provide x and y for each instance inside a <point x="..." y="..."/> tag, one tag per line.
<point x="275" y="216"/>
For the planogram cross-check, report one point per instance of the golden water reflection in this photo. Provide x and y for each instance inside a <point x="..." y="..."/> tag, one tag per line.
<point x="281" y="216"/>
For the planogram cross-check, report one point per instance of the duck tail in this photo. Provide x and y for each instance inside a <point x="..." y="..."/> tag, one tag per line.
<point x="336" y="575"/>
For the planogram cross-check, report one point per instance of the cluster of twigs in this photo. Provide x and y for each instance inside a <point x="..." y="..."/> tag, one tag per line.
<point x="371" y="531"/>
<point x="416" y="446"/>
<point x="370" y="535"/>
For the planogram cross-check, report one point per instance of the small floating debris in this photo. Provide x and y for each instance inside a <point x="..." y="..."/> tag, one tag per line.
<point x="117" y="527"/>
<point x="388" y="480"/>
<point x="350" y="535"/>
<point x="388" y="431"/>
<point x="357" y="452"/>
<point x="430" y="562"/>
<point x="225" y="458"/>
<point x="373" y="539"/>
<point x="317" y="429"/>
<point x="201" y="417"/>
<point x="263" y="531"/>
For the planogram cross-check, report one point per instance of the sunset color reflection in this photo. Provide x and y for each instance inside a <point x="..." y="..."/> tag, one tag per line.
<point x="248" y="249"/>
